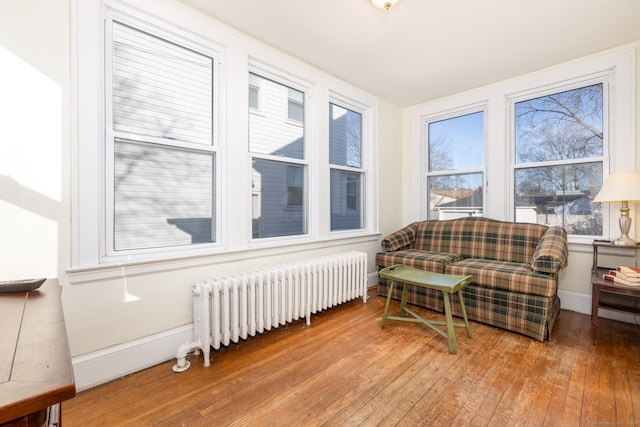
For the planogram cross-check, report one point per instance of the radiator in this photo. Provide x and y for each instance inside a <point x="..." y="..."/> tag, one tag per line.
<point x="237" y="306"/>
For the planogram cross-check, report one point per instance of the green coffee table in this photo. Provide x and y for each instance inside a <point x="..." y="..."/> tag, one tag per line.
<point x="445" y="283"/>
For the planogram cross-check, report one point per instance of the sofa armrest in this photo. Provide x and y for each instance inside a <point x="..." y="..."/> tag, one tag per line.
<point x="552" y="252"/>
<point x="401" y="239"/>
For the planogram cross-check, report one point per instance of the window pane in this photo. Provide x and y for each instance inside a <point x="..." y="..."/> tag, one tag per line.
<point x="271" y="131"/>
<point x="455" y="196"/>
<point x="457" y="143"/>
<point x="562" y="126"/>
<point x="345" y="137"/>
<point x="346" y="200"/>
<point x="279" y="201"/>
<point x="560" y="195"/>
<point x="160" y="89"/>
<point x="163" y="196"/>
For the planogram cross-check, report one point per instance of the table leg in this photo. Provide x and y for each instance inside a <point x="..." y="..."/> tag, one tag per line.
<point x="464" y="313"/>
<point x="451" y="334"/>
<point x="386" y="306"/>
<point x="403" y="301"/>
<point x="595" y="303"/>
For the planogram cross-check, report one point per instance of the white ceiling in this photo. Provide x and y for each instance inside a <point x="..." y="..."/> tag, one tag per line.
<point x="425" y="49"/>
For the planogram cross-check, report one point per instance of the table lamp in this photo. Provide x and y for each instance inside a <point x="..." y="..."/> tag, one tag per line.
<point x="621" y="187"/>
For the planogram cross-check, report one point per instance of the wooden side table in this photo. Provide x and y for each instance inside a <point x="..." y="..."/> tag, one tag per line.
<point x="610" y="295"/>
<point x="35" y="365"/>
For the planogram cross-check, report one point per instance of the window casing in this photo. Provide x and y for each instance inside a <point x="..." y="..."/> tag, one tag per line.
<point x="559" y="157"/>
<point x="161" y="153"/>
<point x="455" y="162"/>
<point x="347" y="174"/>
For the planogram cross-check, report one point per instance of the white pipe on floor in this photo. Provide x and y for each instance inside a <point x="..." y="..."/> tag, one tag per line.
<point x="182" y="364"/>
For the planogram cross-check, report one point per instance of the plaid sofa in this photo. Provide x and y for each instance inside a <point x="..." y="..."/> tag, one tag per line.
<point x="514" y="267"/>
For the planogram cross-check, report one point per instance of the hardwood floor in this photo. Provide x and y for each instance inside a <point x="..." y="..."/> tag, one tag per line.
<point x="344" y="370"/>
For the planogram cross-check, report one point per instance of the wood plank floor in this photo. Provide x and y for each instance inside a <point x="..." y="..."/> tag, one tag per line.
<point x="344" y="370"/>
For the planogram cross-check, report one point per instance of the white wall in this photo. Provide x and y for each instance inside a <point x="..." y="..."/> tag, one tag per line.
<point x="34" y="129"/>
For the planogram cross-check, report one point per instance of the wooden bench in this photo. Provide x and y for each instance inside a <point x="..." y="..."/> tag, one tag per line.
<point x="445" y="283"/>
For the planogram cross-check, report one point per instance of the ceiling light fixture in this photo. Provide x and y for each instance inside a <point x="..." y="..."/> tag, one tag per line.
<point x="384" y="4"/>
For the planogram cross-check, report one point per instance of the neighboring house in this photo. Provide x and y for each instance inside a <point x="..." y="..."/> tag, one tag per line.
<point x="450" y="204"/>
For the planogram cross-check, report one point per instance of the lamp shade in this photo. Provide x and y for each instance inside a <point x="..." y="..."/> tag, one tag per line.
<point x="620" y="186"/>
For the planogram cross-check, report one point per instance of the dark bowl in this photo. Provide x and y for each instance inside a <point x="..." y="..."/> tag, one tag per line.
<point x="25" y="285"/>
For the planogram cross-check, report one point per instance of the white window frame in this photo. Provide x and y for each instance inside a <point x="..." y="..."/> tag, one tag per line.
<point x="426" y="174"/>
<point x="111" y="135"/>
<point x="291" y="82"/>
<point x="603" y="78"/>
<point x="365" y="154"/>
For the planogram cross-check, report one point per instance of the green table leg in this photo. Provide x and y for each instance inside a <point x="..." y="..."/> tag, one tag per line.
<point x="403" y="301"/>
<point x="451" y="334"/>
<point x="386" y="306"/>
<point x="464" y="313"/>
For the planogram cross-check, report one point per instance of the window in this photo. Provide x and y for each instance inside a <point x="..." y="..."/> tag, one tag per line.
<point x="295" y="105"/>
<point x="455" y="148"/>
<point x="255" y="83"/>
<point x="559" y="149"/>
<point x="295" y="185"/>
<point x="347" y="177"/>
<point x="161" y="179"/>
<point x="279" y="178"/>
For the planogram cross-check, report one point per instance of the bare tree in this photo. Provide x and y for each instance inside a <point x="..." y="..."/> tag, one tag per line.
<point x="550" y="131"/>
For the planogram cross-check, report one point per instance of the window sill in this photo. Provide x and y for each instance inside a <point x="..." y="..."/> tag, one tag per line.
<point x="114" y="270"/>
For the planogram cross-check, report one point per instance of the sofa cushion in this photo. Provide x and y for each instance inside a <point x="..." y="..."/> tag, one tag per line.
<point x="423" y="260"/>
<point x="481" y="238"/>
<point x="504" y="276"/>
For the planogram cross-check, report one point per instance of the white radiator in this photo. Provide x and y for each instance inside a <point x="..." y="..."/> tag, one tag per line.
<point x="228" y="308"/>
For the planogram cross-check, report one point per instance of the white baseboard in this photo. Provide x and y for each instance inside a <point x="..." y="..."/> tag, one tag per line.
<point x="106" y="365"/>
<point x="581" y="303"/>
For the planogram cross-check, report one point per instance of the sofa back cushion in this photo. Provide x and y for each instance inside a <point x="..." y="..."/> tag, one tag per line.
<point x="484" y="238"/>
